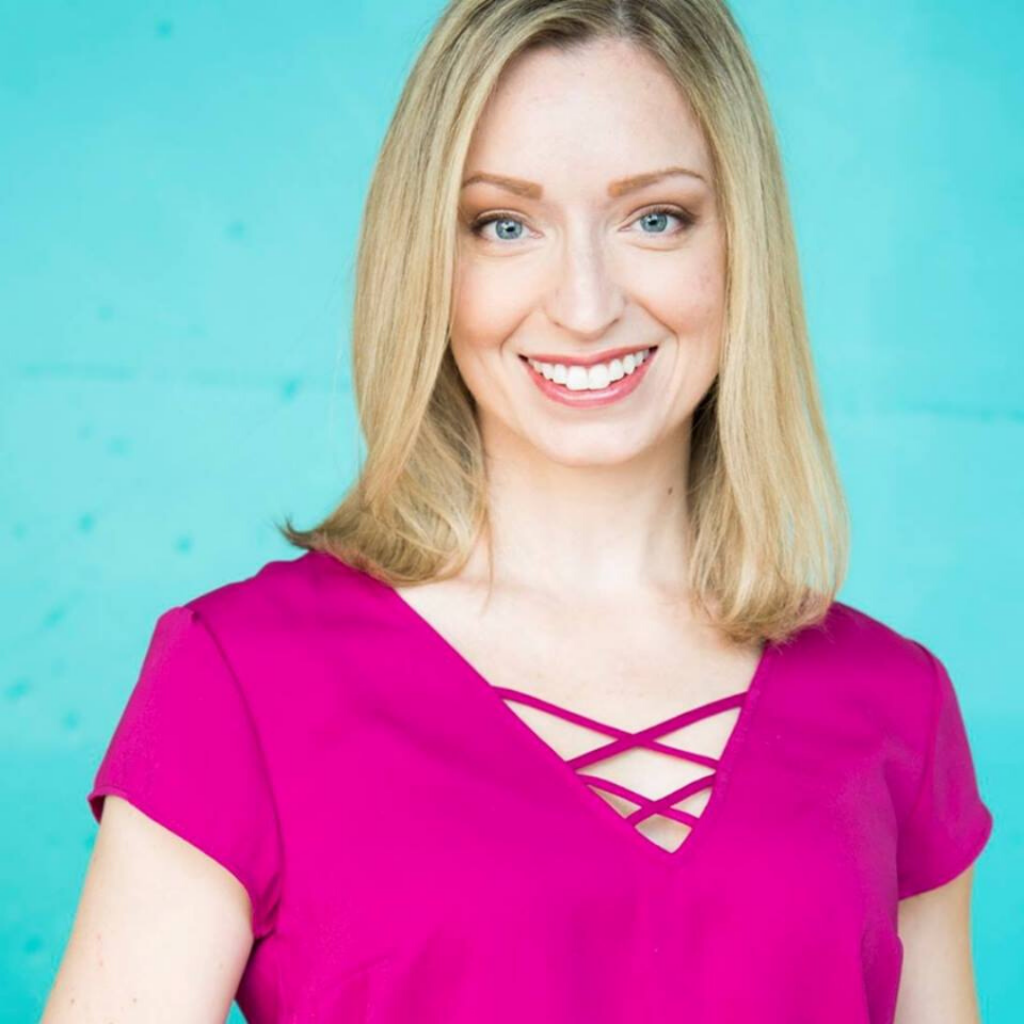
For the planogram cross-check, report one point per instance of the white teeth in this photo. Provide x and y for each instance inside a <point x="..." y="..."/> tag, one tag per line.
<point x="591" y="378"/>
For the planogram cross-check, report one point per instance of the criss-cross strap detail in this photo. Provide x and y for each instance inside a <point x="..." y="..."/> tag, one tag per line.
<point x="626" y="740"/>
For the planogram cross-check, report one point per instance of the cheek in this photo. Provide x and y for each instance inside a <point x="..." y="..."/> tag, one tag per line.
<point x="489" y="303"/>
<point x="487" y="310"/>
<point x="692" y="300"/>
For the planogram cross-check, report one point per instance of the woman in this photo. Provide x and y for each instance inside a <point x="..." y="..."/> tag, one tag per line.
<point x="557" y="719"/>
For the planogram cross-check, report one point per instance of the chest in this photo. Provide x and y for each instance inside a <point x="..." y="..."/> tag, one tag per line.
<point x="609" y="694"/>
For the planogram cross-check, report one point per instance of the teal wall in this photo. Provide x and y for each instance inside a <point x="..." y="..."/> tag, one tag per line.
<point x="181" y="188"/>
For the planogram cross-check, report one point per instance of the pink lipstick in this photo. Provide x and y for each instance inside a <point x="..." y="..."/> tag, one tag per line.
<point x="585" y="397"/>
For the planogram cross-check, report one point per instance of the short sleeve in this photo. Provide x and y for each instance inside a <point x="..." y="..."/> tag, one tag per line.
<point x="948" y="824"/>
<point x="186" y="753"/>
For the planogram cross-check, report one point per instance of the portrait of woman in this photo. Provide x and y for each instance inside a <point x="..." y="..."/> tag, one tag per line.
<point x="556" y="717"/>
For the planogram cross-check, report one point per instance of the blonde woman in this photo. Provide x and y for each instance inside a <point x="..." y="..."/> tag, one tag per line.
<point x="557" y="717"/>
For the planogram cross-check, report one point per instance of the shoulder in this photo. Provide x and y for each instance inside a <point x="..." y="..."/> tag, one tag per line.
<point x="873" y="650"/>
<point x="285" y="629"/>
<point x="874" y="686"/>
<point x="284" y="598"/>
<point x="282" y="638"/>
<point x="873" y="670"/>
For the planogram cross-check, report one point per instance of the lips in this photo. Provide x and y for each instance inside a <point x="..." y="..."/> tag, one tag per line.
<point x="586" y="398"/>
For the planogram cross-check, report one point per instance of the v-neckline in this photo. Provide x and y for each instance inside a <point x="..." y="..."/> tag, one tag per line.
<point x="596" y="804"/>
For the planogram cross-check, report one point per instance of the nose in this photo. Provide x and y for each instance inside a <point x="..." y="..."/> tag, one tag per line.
<point x="585" y="299"/>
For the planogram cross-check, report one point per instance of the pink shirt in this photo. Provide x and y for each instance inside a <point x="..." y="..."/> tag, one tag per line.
<point x="415" y="853"/>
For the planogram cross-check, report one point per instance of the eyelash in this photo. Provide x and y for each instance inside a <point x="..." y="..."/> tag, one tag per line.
<point x="687" y="219"/>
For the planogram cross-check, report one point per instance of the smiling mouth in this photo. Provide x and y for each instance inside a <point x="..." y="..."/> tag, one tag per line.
<point x="594" y="383"/>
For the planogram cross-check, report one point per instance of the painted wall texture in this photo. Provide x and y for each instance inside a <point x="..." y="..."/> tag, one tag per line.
<point x="181" y="188"/>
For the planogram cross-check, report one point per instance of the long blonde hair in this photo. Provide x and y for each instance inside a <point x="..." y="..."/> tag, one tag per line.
<point x="770" y="533"/>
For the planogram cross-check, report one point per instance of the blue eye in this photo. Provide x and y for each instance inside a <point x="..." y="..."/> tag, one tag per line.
<point x="659" y="213"/>
<point x="501" y="219"/>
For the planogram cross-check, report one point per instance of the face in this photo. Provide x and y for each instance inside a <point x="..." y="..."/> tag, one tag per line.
<point x="582" y="253"/>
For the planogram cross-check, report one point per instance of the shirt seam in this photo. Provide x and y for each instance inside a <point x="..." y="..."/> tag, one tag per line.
<point x="270" y="920"/>
<point x="930" y="743"/>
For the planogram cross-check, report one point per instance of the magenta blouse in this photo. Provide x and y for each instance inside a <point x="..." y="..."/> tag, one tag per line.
<point x="415" y="853"/>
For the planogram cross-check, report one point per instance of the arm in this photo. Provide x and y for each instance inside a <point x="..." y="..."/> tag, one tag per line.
<point x="937" y="982"/>
<point x="162" y="931"/>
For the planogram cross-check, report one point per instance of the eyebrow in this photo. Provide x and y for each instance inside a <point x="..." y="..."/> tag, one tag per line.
<point x="531" y="190"/>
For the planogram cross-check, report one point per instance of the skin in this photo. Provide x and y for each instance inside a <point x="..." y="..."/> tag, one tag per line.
<point x="578" y="272"/>
<point x="162" y="932"/>
<point x="937" y="982"/>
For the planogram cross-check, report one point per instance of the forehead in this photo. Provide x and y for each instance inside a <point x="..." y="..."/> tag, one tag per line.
<point x="572" y="121"/>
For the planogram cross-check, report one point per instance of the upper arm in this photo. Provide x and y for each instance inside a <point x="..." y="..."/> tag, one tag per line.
<point x="162" y="931"/>
<point x="186" y="869"/>
<point x="937" y="980"/>
<point x="941" y="834"/>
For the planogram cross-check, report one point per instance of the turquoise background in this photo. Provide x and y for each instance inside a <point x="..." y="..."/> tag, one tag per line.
<point x="181" y="189"/>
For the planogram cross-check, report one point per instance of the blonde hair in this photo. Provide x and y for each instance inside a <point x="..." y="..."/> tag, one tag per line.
<point x="768" y="519"/>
